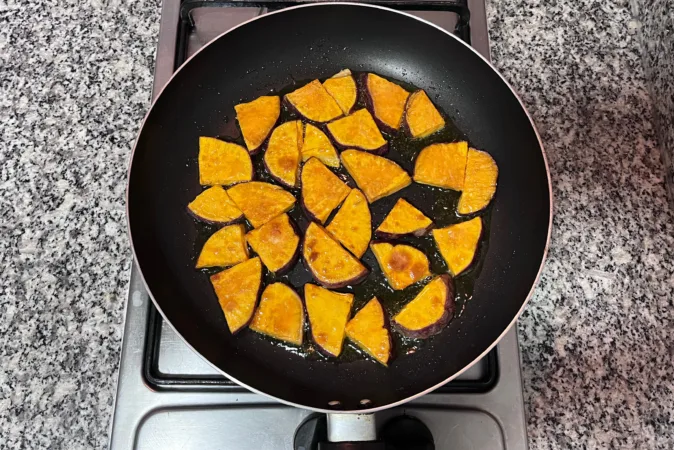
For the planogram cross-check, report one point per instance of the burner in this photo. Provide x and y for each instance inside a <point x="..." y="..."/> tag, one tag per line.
<point x="168" y="397"/>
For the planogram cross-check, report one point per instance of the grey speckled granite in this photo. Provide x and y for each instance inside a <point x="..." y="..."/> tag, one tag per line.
<point x="75" y="80"/>
<point x="596" y="338"/>
<point x="657" y="33"/>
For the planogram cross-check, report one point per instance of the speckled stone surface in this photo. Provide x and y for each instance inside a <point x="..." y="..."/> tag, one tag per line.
<point x="597" y="338"/>
<point x="657" y="41"/>
<point x="75" y="80"/>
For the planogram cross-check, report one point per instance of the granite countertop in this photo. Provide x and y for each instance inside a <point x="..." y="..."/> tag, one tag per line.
<point x="597" y="338"/>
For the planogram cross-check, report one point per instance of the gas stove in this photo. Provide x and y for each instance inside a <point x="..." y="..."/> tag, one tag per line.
<point x="168" y="397"/>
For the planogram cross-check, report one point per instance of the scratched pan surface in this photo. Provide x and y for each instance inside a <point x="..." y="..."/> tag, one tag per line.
<point x="272" y="54"/>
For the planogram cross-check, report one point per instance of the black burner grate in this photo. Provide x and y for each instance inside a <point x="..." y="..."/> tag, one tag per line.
<point x="460" y="7"/>
<point x="162" y="381"/>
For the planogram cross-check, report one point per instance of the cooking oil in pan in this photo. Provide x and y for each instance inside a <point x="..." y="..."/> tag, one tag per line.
<point x="438" y="204"/>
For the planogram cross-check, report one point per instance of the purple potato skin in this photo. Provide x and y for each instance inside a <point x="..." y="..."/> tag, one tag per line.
<point x="277" y="179"/>
<point x="437" y="326"/>
<point x="392" y="354"/>
<point x="393" y="236"/>
<point x="293" y="259"/>
<point x="358" y="95"/>
<point x="370" y="106"/>
<point x="296" y="112"/>
<point x="257" y="302"/>
<point x="308" y="213"/>
<point x="318" y="346"/>
<point x="212" y="222"/>
<point x="305" y="316"/>
<point x="404" y="126"/>
<point x="305" y="209"/>
<point x="262" y="146"/>
<point x="358" y="279"/>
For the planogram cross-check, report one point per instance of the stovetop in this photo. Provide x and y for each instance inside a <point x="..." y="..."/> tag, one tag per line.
<point x="168" y="397"/>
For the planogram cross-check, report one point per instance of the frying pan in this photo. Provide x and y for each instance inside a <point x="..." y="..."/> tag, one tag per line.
<point x="290" y="47"/>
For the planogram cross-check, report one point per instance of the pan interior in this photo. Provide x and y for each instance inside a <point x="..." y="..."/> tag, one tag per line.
<point x="288" y="48"/>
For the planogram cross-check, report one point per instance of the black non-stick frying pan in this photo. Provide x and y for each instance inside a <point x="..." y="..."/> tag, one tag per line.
<point x="297" y="45"/>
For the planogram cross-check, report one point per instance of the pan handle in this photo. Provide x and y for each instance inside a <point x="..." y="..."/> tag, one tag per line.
<point x="351" y="432"/>
<point x="372" y="445"/>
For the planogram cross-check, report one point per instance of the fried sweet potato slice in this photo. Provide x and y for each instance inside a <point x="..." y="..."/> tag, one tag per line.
<point x="352" y="225"/>
<point x="429" y="312"/>
<point x="375" y="175"/>
<point x="442" y="165"/>
<point x="358" y="130"/>
<point x="387" y="100"/>
<point x="422" y="118"/>
<point x="404" y="220"/>
<point x="237" y="289"/>
<point x="317" y="144"/>
<point x="458" y="243"/>
<point x="225" y="247"/>
<point x="330" y="264"/>
<point x="280" y="314"/>
<point x="328" y="313"/>
<point x="479" y="185"/>
<point x="402" y="265"/>
<point x="322" y="190"/>
<point x="223" y="163"/>
<point x="214" y="206"/>
<point x="257" y="119"/>
<point x="342" y="87"/>
<point x="283" y="154"/>
<point x="276" y="243"/>
<point x="261" y="202"/>
<point x="369" y="330"/>
<point x="313" y="102"/>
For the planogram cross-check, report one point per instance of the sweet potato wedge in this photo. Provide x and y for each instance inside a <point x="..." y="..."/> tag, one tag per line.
<point x="352" y="225"/>
<point x="313" y="102"/>
<point x="237" y="289"/>
<point x="429" y="312"/>
<point x="317" y="144"/>
<point x="328" y="313"/>
<point x="276" y="243"/>
<point x="223" y="163"/>
<point x="402" y="265"/>
<point x="375" y="175"/>
<point x="342" y="87"/>
<point x="261" y="202"/>
<point x="257" y="119"/>
<point x="225" y="247"/>
<point x="359" y="131"/>
<point x="214" y="206"/>
<point x="404" y="220"/>
<point x="280" y="314"/>
<point x="458" y="243"/>
<point x="442" y="165"/>
<point x="422" y="118"/>
<point x="329" y="263"/>
<point x="283" y="154"/>
<point x="322" y="190"/>
<point x="369" y="330"/>
<point x="479" y="185"/>
<point x="387" y="101"/>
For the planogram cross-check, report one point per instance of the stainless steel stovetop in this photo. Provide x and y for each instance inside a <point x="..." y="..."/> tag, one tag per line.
<point x="169" y="398"/>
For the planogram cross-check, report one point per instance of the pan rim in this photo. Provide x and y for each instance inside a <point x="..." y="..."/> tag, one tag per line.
<point x="456" y="374"/>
